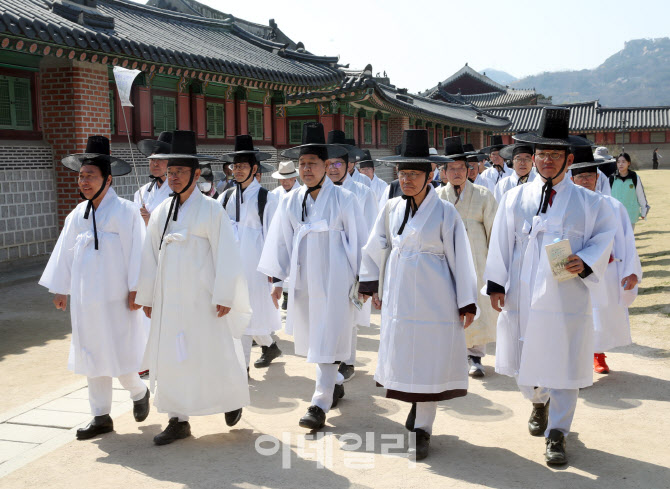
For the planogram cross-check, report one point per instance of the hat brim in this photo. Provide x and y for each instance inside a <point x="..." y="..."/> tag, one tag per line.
<point x="488" y="149"/>
<point x="506" y="152"/>
<point x="150" y="146"/>
<point x="334" y="150"/>
<point x="533" y="138"/>
<point x="118" y="166"/>
<point x="260" y="155"/>
<point x="285" y="176"/>
<point x="375" y="162"/>
<point x="585" y="164"/>
<point x="176" y="156"/>
<point x="415" y="159"/>
<point x="265" y="168"/>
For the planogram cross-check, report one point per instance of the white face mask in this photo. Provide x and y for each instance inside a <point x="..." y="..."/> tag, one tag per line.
<point x="205" y="186"/>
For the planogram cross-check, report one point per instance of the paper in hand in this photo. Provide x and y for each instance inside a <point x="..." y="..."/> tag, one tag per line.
<point x="558" y="253"/>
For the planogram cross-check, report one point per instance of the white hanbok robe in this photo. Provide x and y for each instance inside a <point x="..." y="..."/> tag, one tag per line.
<point x="610" y="320"/>
<point x="107" y="337"/>
<point x="484" y="183"/>
<point x="360" y="178"/>
<point x="492" y="176"/>
<point x="196" y="356"/>
<point x="368" y="204"/>
<point x="280" y="192"/>
<point x="154" y="198"/>
<point x="545" y="331"/>
<point x="477" y="209"/>
<point x="320" y="257"/>
<point x="509" y="183"/>
<point x="378" y="186"/>
<point x="265" y="318"/>
<point x="429" y="275"/>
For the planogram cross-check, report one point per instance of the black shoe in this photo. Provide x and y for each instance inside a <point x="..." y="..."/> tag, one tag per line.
<point x="420" y="451"/>
<point x="476" y="369"/>
<point x="99" y="425"/>
<point x="284" y="303"/>
<point x="347" y="371"/>
<point x="269" y="353"/>
<point x="555" y="452"/>
<point x="233" y="417"/>
<point x="314" y="419"/>
<point x="411" y="417"/>
<point x="537" y="423"/>
<point x="338" y="393"/>
<point x="176" y="430"/>
<point x="141" y="408"/>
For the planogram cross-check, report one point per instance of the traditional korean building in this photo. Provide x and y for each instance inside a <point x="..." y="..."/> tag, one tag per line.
<point x="202" y="70"/>
<point x="638" y="130"/>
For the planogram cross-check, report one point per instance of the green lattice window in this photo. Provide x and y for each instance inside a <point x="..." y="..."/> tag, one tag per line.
<point x="384" y="134"/>
<point x="349" y="129"/>
<point x="256" y="123"/>
<point x="431" y="137"/>
<point x="165" y="114"/>
<point x="216" y="120"/>
<point x="295" y="130"/>
<point x="15" y="104"/>
<point x="367" y="132"/>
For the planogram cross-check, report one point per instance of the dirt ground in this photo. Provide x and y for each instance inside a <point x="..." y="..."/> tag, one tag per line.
<point x="618" y="439"/>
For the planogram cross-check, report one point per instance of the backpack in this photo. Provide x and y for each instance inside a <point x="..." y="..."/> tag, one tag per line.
<point x="262" y="200"/>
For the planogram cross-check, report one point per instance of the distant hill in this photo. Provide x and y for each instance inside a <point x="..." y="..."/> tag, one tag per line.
<point x="498" y="76"/>
<point x="637" y="75"/>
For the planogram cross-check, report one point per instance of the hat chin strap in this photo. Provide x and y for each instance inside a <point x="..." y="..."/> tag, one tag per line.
<point x="154" y="180"/>
<point x="411" y="206"/>
<point x="174" y="205"/>
<point x="239" y="195"/>
<point x="309" y="191"/>
<point x="547" y="188"/>
<point x="90" y="208"/>
<point x="341" y="180"/>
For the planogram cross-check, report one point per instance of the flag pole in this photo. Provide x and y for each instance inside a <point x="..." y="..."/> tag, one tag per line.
<point x="132" y="157"/>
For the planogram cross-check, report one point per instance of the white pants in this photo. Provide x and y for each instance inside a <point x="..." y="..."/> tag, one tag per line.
<point x="354" y="341"/>
<point x="180" y="417"/>
<point x="425" y="415"/>
<point x="326" y="378"/>
<point x="262" y="340"/>
<point x="561" y="408"/>
<point x="100" y="391"/>
<point x="477" y="351"/>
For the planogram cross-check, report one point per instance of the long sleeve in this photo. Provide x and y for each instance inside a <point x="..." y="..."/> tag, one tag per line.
<point x="275" y="259"/>
<point x="230" y="285"/>
<point x="596" y="250"/>
<point x="149" y="265"/>
<point x="370" y="209"/>
<point x="641" y="198"/>
<point x="501" y="246"/>
<point x="355" y="230"/>
<point x="372" y="251"/>
<point x="136" y="235"/>
<point x="57" y="274"/>
<point x="631" y="259"/>
<point x="489" y="210"/>
<point x="459" y="258"/>
<point x="270" y="210"/>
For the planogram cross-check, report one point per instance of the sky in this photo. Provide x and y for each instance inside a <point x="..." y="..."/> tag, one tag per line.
<point x="421" y="42"/>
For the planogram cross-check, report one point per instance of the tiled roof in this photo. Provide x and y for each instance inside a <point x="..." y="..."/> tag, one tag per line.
<point x="469" y="72"/>
<point x="497" y="99"/>
<point x="392" y="99"/>
<point x="589" y="116"/>
<point x="143" y="33"/>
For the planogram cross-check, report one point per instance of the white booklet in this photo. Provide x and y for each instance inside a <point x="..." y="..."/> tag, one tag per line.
<point x="558" y="253"/>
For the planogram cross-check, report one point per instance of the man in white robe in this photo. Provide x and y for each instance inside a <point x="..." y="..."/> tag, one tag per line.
<point x="288" y="178"/>
<point x="521" y="156"/>
<point x="314" y="242"/>
<point x="611" y="325"/>
<point x="477" y="209"/>
<point x="96" y="261"/>
<point x="498" y="170"/>
<point x="351" y="166"/>
<point x="245" y="204"/>
<point x="192" y="286"/>
<point x="153" y="193"/>
<point x="418" y="268"/>
<point x="367" y="166"/>
<point x="338" y="174"/>
<point x="545" y="329"/>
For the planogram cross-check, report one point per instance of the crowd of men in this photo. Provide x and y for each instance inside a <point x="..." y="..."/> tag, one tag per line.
<point x="457" y="253"/>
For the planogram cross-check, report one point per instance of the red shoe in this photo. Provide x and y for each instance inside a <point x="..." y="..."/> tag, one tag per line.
<point x="599" y="364"/>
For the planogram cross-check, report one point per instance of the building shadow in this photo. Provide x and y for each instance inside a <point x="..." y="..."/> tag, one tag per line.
<point x="28" y="319"/>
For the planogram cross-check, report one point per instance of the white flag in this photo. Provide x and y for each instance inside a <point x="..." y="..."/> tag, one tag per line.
<point x="124" y="82"/>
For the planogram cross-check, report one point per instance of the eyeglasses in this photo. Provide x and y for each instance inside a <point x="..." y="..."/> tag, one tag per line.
<point x="546" y="156"/>
<point x="586" y="176"/>
<point x="240" y="166"/>
<point x="526" y="160"/>
<point x="178" y="173"/>
<point x="410" y="175"/>
<point x="337" y="164"/>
